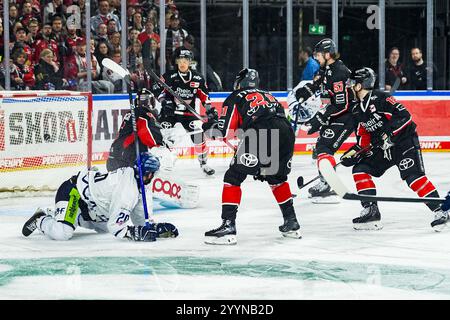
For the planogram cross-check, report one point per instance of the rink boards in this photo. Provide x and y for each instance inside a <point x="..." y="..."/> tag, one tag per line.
<point x="430" y="111"/>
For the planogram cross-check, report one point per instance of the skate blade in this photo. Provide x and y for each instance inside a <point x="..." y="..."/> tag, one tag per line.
<point x="440" y="227"/>
<point x="225" y="240"/>
<point x="373" y="225"/>
<point x="326" y="200"/>
<point x="292" y="234"/>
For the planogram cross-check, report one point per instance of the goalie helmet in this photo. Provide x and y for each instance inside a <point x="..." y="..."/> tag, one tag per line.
<point x="365" y="76"/>
<point x="246" y="78"/>
<point x="146" y="99"/>
<point x="149" y="164"/>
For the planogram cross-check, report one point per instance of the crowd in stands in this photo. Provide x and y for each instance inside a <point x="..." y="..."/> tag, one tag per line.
<point x="48" y="42"/>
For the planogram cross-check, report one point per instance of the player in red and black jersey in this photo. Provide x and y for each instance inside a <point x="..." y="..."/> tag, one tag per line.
<point x="264" y="152"/>
<point x="189" y="85"/>
<point x="335" y="123"/>
<point x="122" y="152"/>
<point x="386" y="124"/>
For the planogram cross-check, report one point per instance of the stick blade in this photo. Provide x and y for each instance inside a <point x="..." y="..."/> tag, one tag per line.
<point x="330" y="175"/>
<point x="108" y="63"/>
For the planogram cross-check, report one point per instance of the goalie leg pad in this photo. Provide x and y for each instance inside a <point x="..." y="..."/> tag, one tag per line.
<point x="174" y="193"/>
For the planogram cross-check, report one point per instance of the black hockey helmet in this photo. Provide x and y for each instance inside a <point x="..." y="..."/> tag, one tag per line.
<point x="365" y="76"/>
<point x="246" y="78"/>
<point x="185" y="54"/>
<point x="325" y="45"/>
<point x="146" y="99"/>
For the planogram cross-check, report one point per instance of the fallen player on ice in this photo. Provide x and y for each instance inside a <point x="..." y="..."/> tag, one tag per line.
<point x="104" y="202"/>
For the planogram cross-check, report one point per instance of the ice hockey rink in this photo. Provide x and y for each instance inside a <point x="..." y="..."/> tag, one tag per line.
<point x="404" y="260"/>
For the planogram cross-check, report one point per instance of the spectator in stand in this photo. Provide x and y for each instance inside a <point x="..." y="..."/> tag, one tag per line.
<point x="48" y="75"/>
<point x="311" y="65"/>
<point x="21" y="44"/>
<point x="13" y="18"/>
<point x="28" y="13"/>
<point x="33" y="31"/>
<point x="135" y="55"/>
<point x="138" y="23"/>
<point x="45" y="42"/>
<point x="102" y="32"/>
<point x="54" y="7"/>
<point x="22" y="75"/>
<point x="418" y="71"/>
<point x="72" y="36"/>
<point x="111" y="76"/>
<point x="153" y="17"/>
<point x="175" y="36"/>
<point x="64" y="48"/>
<point x="104" y="16"/>
<point x="101" y="52"/>
<point x="394" y="70"/>
<point x="115" y="7"/>
<point x="2" y="45"/>
<point x="133" y="35"/>
<point x="111" y="27"/>
<point x="131" y="10"/>
<point x="150" y="55"/>
<point x="76" y="72"/>
<point x="148" y="33"/>
<point x="114" y="41"/>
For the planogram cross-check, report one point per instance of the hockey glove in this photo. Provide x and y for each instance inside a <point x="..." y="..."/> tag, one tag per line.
<point x="305" y="92"/>
<point x="142" y="233"/>
<point x="165" y="230"/>
<point x="213" y="119"/>
<point x="383" y="140"/>
<point x="446" y="204"/>
<point x="353" y="155"/>
<point x="316" y="122"/>
<point x="167" y="108"/>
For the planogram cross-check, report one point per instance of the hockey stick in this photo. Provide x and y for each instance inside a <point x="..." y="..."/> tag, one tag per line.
<point x="184" y="103"/>
<point x="300" y="184"/>
<point x="337" y="185"/>
<point x="395" y="86"/>
<point x="125" y="75"/>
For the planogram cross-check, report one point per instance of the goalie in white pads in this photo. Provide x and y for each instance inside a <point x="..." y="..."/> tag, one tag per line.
<point x="104" y="202"/>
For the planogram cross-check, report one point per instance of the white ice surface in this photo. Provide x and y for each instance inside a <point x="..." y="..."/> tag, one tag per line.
<point x="406" y="259"/>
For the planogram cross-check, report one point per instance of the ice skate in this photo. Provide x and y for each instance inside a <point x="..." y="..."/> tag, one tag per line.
<point x="225" y="234"/>
<point x="207" y="169"/>
<point x="31" y="224"/>
<point x="370" y="219"/>
<point x="290" y="228"/>
<point x="322" y="193"/>
<point x="440" y="220"/>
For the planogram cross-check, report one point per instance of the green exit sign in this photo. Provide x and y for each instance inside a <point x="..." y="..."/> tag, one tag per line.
<point x="317" y="29"/>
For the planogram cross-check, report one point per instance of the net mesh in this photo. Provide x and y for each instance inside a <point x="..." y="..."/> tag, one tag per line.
<point x="43" y="139"/>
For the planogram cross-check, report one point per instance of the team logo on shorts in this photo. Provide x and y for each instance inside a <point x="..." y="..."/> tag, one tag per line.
<point x="328" y="134"/>
<point x="166" y="125"/>
<point x="406" y="164"/>
<point x="248" y="160"/>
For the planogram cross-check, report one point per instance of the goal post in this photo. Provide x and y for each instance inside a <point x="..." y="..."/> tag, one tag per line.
<point x="45" y="137"/>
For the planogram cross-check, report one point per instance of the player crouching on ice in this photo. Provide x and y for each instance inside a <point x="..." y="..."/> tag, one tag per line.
<point x="259" y="116"/>
<point x="387" y="125"/>
<point x="104" y="202"/>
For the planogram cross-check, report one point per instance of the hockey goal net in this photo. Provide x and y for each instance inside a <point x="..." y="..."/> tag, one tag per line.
<point x="45" y="137"/>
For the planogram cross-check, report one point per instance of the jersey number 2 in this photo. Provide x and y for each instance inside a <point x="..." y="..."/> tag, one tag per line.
<point x="258" y="99"/>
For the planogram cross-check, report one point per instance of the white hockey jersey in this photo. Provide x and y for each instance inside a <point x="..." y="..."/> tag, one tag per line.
<point x="113" y="196"/>
<point x="305" y="110"/>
